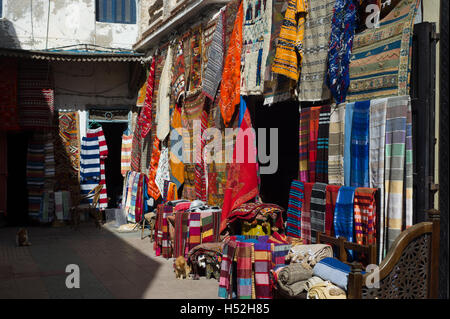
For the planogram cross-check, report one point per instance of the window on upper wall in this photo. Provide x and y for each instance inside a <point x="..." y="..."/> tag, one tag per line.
<point x="1" y="9"/>
<point x="116" y="11"/>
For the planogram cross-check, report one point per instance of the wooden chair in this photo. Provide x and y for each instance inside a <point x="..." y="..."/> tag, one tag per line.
<point x="341" y="245"/>
<point x="90" y="207"/>
<point x="150" y="220"/>
<point x="409" y="270"/>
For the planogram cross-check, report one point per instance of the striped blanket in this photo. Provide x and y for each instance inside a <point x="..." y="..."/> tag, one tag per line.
<point x="344" y="213"/>
<point x="225" y="284"/>
<point x="398" y="178"/>
<point x="98" y="132"/>
<point x="359" y="169"/>
<point x="317" y="206"/>
<point x="348" y="142"/>
<point x="306" y="214"/>
<point x="312" y="142"/>
<point x="125" y="159"/>
<point x="89" y="165"/>
<point x="194" y="229"/>
<point x="305" y="115"/>
<point x="294" y="211"/>
<point x="336" y="145"/>
<point x="245" y="282"/>
<point x="181" y="233"/>
<point x="330" y="205"/>
<point x="365" y="216"/>
<point x="279" y="252"/>
<point x="322" y="145"/>
<point x="262" y="266"/>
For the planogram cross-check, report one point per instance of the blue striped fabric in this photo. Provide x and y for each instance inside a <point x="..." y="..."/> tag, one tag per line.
<point x="349" y="107"/>
<point x="89" y="165"/>
<point x="294" y="211"/>
<point x="343" y="213"/>
<point x="359" y="169"/>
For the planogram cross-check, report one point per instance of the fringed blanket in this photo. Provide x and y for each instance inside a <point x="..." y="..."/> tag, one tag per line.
<point x="359" y="174"/>
<point x="244" y="254"/>
<point x="225" y="285"/>
<point x="194" y="229"/>
<point x="317" y="206"/>
<point x="331" y="197"/>
<point x="365" y="216"/>
<point x="336" y="145"/>
<point x="343" y="214"/>
<point x="263" y="264"/>
<point x="322" y="145"/>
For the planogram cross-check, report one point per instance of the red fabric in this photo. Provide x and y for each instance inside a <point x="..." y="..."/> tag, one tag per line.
<point x="312" y="144"/>
<point x="145" y="117"/>
<point x="242" y="179"/>
<point x="331" y="196"/>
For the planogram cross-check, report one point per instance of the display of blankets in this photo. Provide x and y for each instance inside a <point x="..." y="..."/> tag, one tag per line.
<point x="125" y="159"/>
<point x="312" y="141"/>
<point x="135" y="196"/>
<point x="226" y="267"/>
<point x="210" y="223"/>
<point x="365" y="216"/>
<point x="162" y="172"/>
<point x="322" y="145"/>
<point x="244" y="276"/>
<point x="306" y="215"/>
<point x="256" y="44"/>
<point x="340" y="48"/>
<point x="333" y="270"/>
<point x="344" y="213"/>
<point x="35" y="95"/>
<point x="294" y="211"/>
<point x="213" y="70"/>
<point x="377" y="132"/>
<point x="231" y="76"/>
<point x="381" y="57"/>
<point x="398" y="177"/>
<point x="194" y="229"/>
<point x="8" y="95"/>
<point x="315" y="51"/>
<point x="289" y="52"/>
<point x="277" y="87"/>
<point x="35" y="174"/>
<point x="330" y="205"/>
<point x="98" y="132"/>
<point x="317" y="207"/>
<point x="359" y="174"/>
<point x="89" y="165"/>
<point x="336" y="145"/>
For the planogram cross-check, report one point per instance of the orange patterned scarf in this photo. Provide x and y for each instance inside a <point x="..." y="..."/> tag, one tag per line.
<point x="230" y="85"/>
<point x="152" y="189"/>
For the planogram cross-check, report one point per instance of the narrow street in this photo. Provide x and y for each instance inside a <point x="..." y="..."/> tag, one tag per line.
<point x="112" y="265"/>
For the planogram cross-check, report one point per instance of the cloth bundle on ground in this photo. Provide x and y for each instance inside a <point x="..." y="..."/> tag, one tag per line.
<point x="212" y="253"/>
<point x="309" y="255"/>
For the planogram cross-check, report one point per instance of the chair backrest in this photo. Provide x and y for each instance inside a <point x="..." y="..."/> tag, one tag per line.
<point x="409" y="270"/>
<point x="341" y="245"/>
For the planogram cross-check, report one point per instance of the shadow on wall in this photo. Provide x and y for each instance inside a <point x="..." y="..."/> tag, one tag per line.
<point x="8" y="36"/>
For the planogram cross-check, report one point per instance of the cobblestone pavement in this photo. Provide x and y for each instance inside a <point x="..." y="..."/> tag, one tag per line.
<point x="112" y="265"/>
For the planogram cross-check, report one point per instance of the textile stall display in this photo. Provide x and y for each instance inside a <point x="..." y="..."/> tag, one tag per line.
<point x="135" y="196"/>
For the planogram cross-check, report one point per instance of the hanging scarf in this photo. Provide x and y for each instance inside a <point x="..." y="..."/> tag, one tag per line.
<point x="125" y="156"/>
<point x="365" y="216"/>
<point x="181" y="233"/>
<point x="162" y="173"/>
<point x="290" y="42"/>
<point x="336" y="145"/>
<point x="145" y="117"/>
<point x="152" y="188"/>
<point x="242" y="181"/>
<point x="305" y="115"/>
<point x="306" y="214"/>
<point x="343" y="214"/>
<point x="322" y="145"/>
<point x="360" y="145"/>
<point x="225" y="285"/>
<point x="330" y="205"/>
<point x="294" y="212"/>
<point x="194" y="229"/>
<point x="348" y="142"/>
<point x="136" y="149"/>
<point x="317" y="206"/>
<point x="263" y="265"/>
<point x="163" y="114"/>
<point x="377" y="133"/>
<point x="312" y="142"/>
<point x="231" y="76"/>
<point x="340" y="48"/>
<point x="244" y="276"/>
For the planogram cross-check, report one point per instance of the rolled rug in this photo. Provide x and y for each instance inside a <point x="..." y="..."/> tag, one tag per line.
<point x="314" y="280"/>
<point x="294" y="273"/>
<point x="292" y="290"/>
<point x="334" y="271"/>
<point x="326" y="290"/>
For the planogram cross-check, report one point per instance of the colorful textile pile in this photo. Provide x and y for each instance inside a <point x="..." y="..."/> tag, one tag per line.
<point x="294" y="212"/>
<point x="315" y="51"/>
<point x="135" y="196"/>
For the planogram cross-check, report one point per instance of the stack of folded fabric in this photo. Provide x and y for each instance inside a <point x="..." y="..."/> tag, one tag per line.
<point x="309" y="255"/>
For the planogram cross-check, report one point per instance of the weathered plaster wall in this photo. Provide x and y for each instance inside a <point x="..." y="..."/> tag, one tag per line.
<point x="70" y="22"/>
